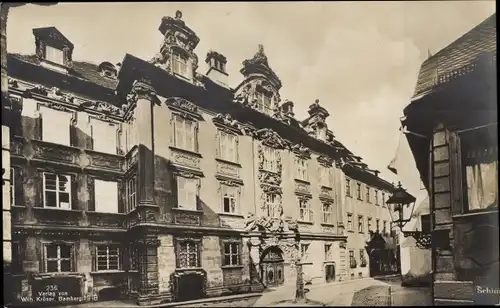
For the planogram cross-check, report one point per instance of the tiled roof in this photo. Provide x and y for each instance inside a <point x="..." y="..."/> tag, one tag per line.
<point x="83" y="70"/>
<point x="457" y="56"/>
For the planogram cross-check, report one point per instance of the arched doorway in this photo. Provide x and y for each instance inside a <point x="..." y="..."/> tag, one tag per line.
<point x="375" y="262"/>
<point x="272" y="267"/>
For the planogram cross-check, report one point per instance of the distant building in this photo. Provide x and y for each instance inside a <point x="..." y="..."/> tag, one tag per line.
<point x="148" y="180"/>
<point x="455" y="108"/>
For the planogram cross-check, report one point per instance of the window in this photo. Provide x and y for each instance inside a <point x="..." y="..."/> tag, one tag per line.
<point x="425" y="221"/>
<point x="131" y="193"/>
<point x="348" y="187"/>
<point x="304" y="255"/>
<point x="106" y="196"/>
<point x="305" y="214"/>
<point x="383" y="198"/>
<point x="188" y="254"/>
<point x="180" y="65"/>
<point x="376" y="197"/>
<point x="54" y="55"/>
<point x="56" y="191"/>
<point x="328" y="252"/>
<point x="362" y="258"/>
<point x="185" y="136"/>
<point x="131" y="134"/>
<point x="370" y="224"/>
<point x="324" y="174"/>
<point x="270" y="159"/>
<point x="263" y="102"/>
<point x="368" y="194"/>
<point x="358" y="187"/>
<point x="231" y="254"/>
<point x="384" y="228"/>
<point x="360" y="224"/>
<point x="349" y="222"/>
<point x="479" y="149"/>
<point x="378" y="224"/>
<point x="228" y="147"/>
<point x="187" y="193"/>
<point x="104" y="136"/>
<point x="107" y="258"/>
<point x="327" y="213"/>
<point x="352" y="261"/>
<point x="272" y="205"/>
<point x="17" y="258"/>
<point x="58" y="258"/>
<point x="302" y="169"/>
<point x="229" y="199"/>
<point x="55" y="125"/>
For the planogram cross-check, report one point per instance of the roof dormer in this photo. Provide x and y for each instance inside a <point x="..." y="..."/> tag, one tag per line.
<point x="315" y="124"/>
<point x="53" y="49"/>
<point x="108" y="70"/>
<point x="176" y="54"/>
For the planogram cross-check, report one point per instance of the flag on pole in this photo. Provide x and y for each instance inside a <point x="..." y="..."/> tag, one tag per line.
<point x="393" y="164"/>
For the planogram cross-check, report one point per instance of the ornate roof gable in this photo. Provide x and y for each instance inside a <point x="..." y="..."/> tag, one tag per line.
<point x="271" y="139"/>
<point x="325" y="161"/>
<point x="259" y="77"/>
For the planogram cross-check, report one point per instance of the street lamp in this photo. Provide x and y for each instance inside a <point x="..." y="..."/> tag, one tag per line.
<point x="397" y="203"/>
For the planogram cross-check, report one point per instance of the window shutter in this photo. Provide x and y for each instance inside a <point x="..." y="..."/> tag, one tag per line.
<point x="38" y="183"/>
<point x="38" y="127"/>
<point x="455" y="173"/>
<point x="74" y="193"/>
<point x="222" y="256"/>
<point x="18" y="187"/>
<point x="121" y="194"/>
<point x="93" y="253"/>
<point x="91" y="192"/>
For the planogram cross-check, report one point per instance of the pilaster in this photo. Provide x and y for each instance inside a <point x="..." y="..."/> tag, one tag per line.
<point x="147" y="250"/>
<point x="146" y="97"/>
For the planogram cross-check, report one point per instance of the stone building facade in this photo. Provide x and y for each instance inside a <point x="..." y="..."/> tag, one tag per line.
<point x="147" y="179"/>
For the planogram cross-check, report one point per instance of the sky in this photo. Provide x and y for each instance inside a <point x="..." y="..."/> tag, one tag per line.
<point x="360" y="59"/>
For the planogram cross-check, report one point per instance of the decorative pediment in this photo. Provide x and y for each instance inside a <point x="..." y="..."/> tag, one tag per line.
<point x="101" y="107"/>
<point x="227" y="123"/>
<point x="301" y="151"/>
<point x="271" y="139"/>
<point x="183" y="107"/>
<point x="325" y="161"/>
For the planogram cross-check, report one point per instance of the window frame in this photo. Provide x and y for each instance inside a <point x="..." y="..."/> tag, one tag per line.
<point x="236" y="191"/>
<point x="358" y="191"/>
<point x="116" y="127"/>
<point x="428" y="221"/>
<point x="369" y="222"/>
<point x="130" y="196"/>
<point x="301" y="169"/>
<point x="348" y="188"/>
<point x="231" y="254"/>
<point x="57" y="191"/>
<point x="58" y="259"/>
<point x="180" y="60"/>
<point x="60" y="52"/>
<point x="377" y="221"/>
<point x="361" y="224"/>
<point x="196" y="183"/>
<point x="180" y="133"/>
<point x="270" y="157"/>
<point x="303" y="210"/>
<point x="191" y="242"/>
<point x="304" y="253"/>
<point x="227" y="141"/>
<point x="108" y="256"/>
<point x="117" y="201"/>
<point x="42" y="117"/>
<point x="328" y="213"/>
<point x="328" y="251"/>
<point x="350" y="226"/>
<point x="367" y="192"/>
<point x="376" y="197"/>
<point x="275" y="196"/>
<point x="12" y="180"/>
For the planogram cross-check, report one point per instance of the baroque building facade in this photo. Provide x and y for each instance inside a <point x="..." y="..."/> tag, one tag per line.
<point x="146" y="178"/>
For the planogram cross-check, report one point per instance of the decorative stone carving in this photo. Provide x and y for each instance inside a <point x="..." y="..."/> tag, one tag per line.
<point x="325" y="161"/>
<point x="301" y="151"/>
<point x="181" y="103"/>
<point x="147" y="241"/>
<point x="271" y="139"/>
<point x="146" y="216"/>
<point x="186" y="219"/>
<point x="102" y="107"/>
<point x="326" y="193"/>
<point x="232" y="222"/>
<point x="228" y="169"/>
<point x="142" y="89"/>
<point x="302" y="188"/>
<point x="12" y="83"/>
<point x="269" y="177"/>
<point x="273" y="225"/>
<point x="103" y="160"/>
<point x="54" y="152"/>
<point x="106" y="220"/>
<point x="185" y="159"/>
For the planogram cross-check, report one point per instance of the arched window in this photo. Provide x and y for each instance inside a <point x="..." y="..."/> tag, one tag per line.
<point x="180" y="64"/>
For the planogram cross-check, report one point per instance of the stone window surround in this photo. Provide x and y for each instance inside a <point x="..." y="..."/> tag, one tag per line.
<point x="237" y="186"/>
<point x="305" y="199"/>
<point x="361" y="223"/>
<point x="189" y="176"/>
<point x="73" y="260"/>
<point x="350" y="222"/>
<point x="197" y="241"/>
<point x="110" y="243"/>
<point x="111" y="123"/>
<point x="330" y="205"/>
<point x="239" y="244"/>
<point x="70" y="176"/>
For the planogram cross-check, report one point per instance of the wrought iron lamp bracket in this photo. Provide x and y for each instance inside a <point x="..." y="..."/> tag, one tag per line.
<point x="423" y="239"/>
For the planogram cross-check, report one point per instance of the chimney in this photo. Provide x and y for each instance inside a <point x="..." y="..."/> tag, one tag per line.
<point x="287" y="108"/>
<point x="217" y="68"/>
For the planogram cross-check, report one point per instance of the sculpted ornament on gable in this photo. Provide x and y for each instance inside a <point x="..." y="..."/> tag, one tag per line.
<point x="182" y="104"/>
<point x="227" y="120"/>
<point x="271" y="139"/>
